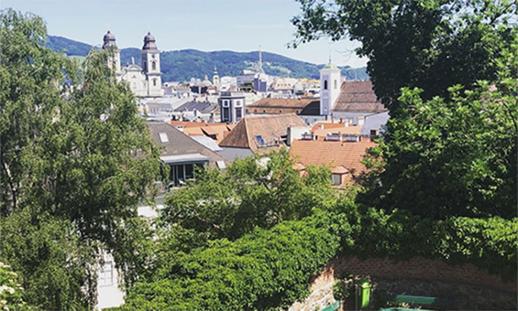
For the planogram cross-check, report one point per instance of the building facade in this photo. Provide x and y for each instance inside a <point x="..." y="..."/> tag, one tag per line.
<point x="232" y="106"/>
<point x="330" y="83"/>
<point x="143" y="80"/>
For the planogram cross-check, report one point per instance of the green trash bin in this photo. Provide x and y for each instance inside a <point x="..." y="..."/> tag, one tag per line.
<point x="365" y="294"/>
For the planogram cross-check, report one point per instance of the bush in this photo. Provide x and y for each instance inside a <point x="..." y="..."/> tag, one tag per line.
<point x="489" y="243"/>
<point x="266" y="269"/>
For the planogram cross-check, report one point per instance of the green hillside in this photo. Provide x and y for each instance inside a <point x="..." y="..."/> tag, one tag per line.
<point x="182" y="65"/>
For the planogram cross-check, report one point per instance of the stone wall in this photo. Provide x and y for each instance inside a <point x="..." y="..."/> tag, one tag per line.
<point x="414" y="270"/>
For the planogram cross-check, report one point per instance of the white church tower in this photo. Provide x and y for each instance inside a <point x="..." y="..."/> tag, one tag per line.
<point x="151" y="66"/>
<point x="330" y="82"/>
<point x="114" y="60"/>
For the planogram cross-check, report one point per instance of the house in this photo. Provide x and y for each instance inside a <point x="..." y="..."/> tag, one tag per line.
<point x="341" y="155"/>
<point x="261" y="133"/>
<point x="182" y="153"/>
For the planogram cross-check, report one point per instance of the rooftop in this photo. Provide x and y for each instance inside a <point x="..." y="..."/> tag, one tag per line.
<point x="261" y="131"/>
<point x="358" y="96"/>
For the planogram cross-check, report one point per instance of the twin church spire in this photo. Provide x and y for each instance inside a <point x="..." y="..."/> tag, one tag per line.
<point x="144" y="81"/>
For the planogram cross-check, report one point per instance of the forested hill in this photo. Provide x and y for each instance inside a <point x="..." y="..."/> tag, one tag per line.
<point x="182" y="65"/>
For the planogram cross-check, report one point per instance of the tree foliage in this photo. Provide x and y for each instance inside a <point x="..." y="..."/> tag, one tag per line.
<point x="429" y="44"/>
<point x="249" y="193"/>
<point x="446" y="157"/>
<point x="263" y="270"/>
<point x="489" y="243"/>
<point x="76" y="157"/>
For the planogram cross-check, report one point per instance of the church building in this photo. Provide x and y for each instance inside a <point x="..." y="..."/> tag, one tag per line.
<point x="144" y="80"/>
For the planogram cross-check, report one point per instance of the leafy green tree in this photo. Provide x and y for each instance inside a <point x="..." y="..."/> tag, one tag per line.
<point x="452" y="156"/>
<point x="55" y="267"/>
<point x="75" y="155"/>
<point x="429" y="44"/>
<point x="248" y="194"/>
<point x="11" y="293"/>
<point x="30" y="88"/>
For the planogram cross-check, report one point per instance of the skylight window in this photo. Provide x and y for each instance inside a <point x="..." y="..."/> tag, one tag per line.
<point x="163" y="137"/>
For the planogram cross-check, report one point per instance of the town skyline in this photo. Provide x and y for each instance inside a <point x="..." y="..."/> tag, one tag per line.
<point x="179" y="25"/>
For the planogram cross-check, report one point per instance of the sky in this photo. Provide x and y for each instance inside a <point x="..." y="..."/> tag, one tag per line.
<point x="207" y="25"/>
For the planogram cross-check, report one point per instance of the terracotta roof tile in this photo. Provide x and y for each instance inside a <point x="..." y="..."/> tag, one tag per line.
<point x="331" y="153"/>
<point x="270" y="128"/>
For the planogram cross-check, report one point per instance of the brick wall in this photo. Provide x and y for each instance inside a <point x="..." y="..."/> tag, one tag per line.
<point x="417" y="268"/>
<point x="420" y="269"/>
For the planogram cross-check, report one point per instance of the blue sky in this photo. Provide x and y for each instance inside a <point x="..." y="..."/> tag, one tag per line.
<point x="208" y="25"/>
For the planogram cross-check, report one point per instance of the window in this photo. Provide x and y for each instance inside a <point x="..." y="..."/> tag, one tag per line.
<point x="239" y="113"/>
<point x="336" y="179"/>
<point x="325" y="84"/>
<point x="225" y="103"/>
<point x="238" y="103"/>
<point x="106" y="274"/>
<point x="336" y="84"/>
<point x="153" y="66"/>
<point x="374" y="132"/>
<point x="163" y="137"/>
<point x="226" y="114"/>
<point x="154" y="82"/>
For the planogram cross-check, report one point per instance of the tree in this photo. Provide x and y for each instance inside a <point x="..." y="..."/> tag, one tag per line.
<point x="248" y="194"/>
<point x="429" y="44"/>
<point x="452" y="156"/>
<point x="54" y="266"/>
<point x="10" y="290"/>
<point x="74" y="154"/>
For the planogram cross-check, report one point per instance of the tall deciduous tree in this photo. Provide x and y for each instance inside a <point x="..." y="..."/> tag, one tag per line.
<point x="73" y="151"/>
<point x="452" y="156"/>
<point x="429" y="44"/>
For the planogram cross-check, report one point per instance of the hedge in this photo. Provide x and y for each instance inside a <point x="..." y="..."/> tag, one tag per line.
<point x="267" y="269"/>
<point x="489" y="243"/>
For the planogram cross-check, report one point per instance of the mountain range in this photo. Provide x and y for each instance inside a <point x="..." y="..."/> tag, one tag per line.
<point x="182" y="65"/>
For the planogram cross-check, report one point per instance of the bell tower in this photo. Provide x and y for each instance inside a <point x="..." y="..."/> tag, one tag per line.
<point x="114" y="59"/>
<point x="330" y="83"/>
<point x="151" y="66"/>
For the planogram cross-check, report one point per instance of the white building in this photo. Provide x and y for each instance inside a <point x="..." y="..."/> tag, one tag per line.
<point x="330" y="83"/>
<point x="144" y="80"/>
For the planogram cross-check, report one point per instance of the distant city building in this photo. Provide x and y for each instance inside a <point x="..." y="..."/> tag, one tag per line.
<point x="232" y="106"/>
<point x="144" y="80"/>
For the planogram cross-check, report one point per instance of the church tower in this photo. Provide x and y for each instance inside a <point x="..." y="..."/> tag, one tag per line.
<point x="151" y="66"/>
<point x="330" y="83"/>
<point x="215" y="78"/>
<point x="114" y="59"/>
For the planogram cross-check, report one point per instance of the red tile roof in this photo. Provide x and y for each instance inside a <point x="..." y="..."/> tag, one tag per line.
<point x="271" y="128"/>
<point x="331" y="153"/>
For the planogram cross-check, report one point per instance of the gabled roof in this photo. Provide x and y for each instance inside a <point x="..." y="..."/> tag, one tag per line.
<point x="173" y="142"/>
<point x="261" y="132"/>
<point x="358" y="96"/>
<point x="217" y="131"/>
<point x="203" y="107"/>
<point x="331" y="153"/>
<point x="293" y="103"/>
